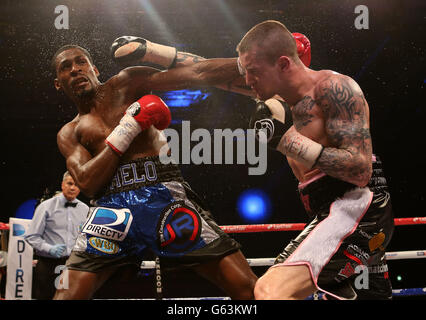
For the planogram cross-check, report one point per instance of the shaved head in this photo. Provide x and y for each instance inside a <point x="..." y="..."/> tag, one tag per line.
<point x="271" y="39"/>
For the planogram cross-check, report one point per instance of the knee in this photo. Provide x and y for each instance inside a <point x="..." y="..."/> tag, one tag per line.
<point x="76" y="285"/>
<point x="265" y="289"/>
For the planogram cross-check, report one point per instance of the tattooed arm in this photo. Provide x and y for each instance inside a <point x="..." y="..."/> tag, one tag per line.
<point x="237" y="85"/>
<point x="185" y="59"/>
<point x="130" y="51"/>
<point x="346" y="115"/>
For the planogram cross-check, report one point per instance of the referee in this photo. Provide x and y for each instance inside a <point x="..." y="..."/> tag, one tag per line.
<point x="52" y="234"/>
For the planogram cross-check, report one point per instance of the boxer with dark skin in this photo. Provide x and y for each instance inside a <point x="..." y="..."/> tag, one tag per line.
<point x="92" y="162"/>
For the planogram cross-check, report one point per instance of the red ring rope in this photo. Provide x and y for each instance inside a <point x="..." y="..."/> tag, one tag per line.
<point x="282" y="226"/>
<point x="300" y="226"/>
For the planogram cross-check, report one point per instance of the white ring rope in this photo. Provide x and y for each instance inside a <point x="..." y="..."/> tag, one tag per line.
<point x="260" y="262"/>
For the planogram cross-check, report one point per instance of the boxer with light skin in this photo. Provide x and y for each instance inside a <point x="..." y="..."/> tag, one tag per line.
<point x="324" y="103"/>
<point x="329" y="148"/>
<point x="323" y="130"/>
<point x="118" y="126"/>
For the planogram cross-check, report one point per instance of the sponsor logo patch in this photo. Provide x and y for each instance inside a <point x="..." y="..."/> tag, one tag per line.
<point x="179" y="227"/>
<point x="376" y="242"/>
<point x="267" y="126"/>
<point x="347" y="271"/>
<point x="109" y="223"/>
<point x="103" y="245"/>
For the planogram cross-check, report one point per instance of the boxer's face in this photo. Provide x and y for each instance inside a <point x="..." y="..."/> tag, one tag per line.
<point x="76" y="75"/>
<point x="70" y="189"/>
<point x="260" y="75"/>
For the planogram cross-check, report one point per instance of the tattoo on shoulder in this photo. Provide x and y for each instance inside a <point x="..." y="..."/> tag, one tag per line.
<point x="338" y="98"/>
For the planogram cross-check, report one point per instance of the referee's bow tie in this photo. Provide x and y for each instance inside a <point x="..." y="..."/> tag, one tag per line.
<point x="70" y="204"/>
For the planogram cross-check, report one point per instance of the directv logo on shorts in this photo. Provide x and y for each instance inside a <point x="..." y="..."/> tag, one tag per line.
<point x="109" y="223"/>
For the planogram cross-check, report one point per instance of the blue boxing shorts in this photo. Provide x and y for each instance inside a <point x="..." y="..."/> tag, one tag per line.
<point x="148" y="208"/>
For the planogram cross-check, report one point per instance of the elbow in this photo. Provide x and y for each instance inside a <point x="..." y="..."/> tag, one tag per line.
<point x="361" y="183"/>
<point x="204" y="79"/>
<point x="362" y="174"/>
<point x="88" y="190"/>
<point x="210" y="75"/>
<point x="86" y="187"/>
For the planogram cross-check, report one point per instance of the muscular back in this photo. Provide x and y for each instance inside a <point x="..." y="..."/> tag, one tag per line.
<point x="335" y="114"/>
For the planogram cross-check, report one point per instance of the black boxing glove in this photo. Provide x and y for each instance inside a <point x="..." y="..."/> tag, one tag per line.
<point x="130" y="50"/>
<point x="274" y="118"/>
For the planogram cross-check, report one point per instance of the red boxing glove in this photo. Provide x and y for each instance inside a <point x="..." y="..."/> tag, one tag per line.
<point x="140" y="115"/>
<point x="303" y="48"/>
<point x="150" y="110"/>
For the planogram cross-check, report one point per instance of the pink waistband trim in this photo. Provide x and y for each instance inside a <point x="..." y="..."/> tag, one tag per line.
<point x="314" y="178"/>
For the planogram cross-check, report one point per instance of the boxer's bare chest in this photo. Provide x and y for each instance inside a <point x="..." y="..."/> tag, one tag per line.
<point x="308" y="118"/>
<point x="94" y="127"/>
<point x="308" y="114"/>
<point x="104" y="116"/>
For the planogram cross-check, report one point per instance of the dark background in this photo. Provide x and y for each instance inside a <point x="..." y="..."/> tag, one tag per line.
<point x="387" y="60"/>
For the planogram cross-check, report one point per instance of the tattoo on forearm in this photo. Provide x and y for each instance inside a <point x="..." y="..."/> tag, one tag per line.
<point x="188" y="57"/>
<point x="340" y="164"/>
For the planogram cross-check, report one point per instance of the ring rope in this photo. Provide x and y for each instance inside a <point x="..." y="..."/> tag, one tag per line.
<point x="316" y="296"/>
<point x="399" y="255"/>
<point x="409" y="292"/>
<point x="300" y="226"/>
<point x="395" y="293"/>
<point x="283" y="226"/>
<point x="262" y="262"/>
<point x="319" y="295"/>
<point x="4" y="226"/>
